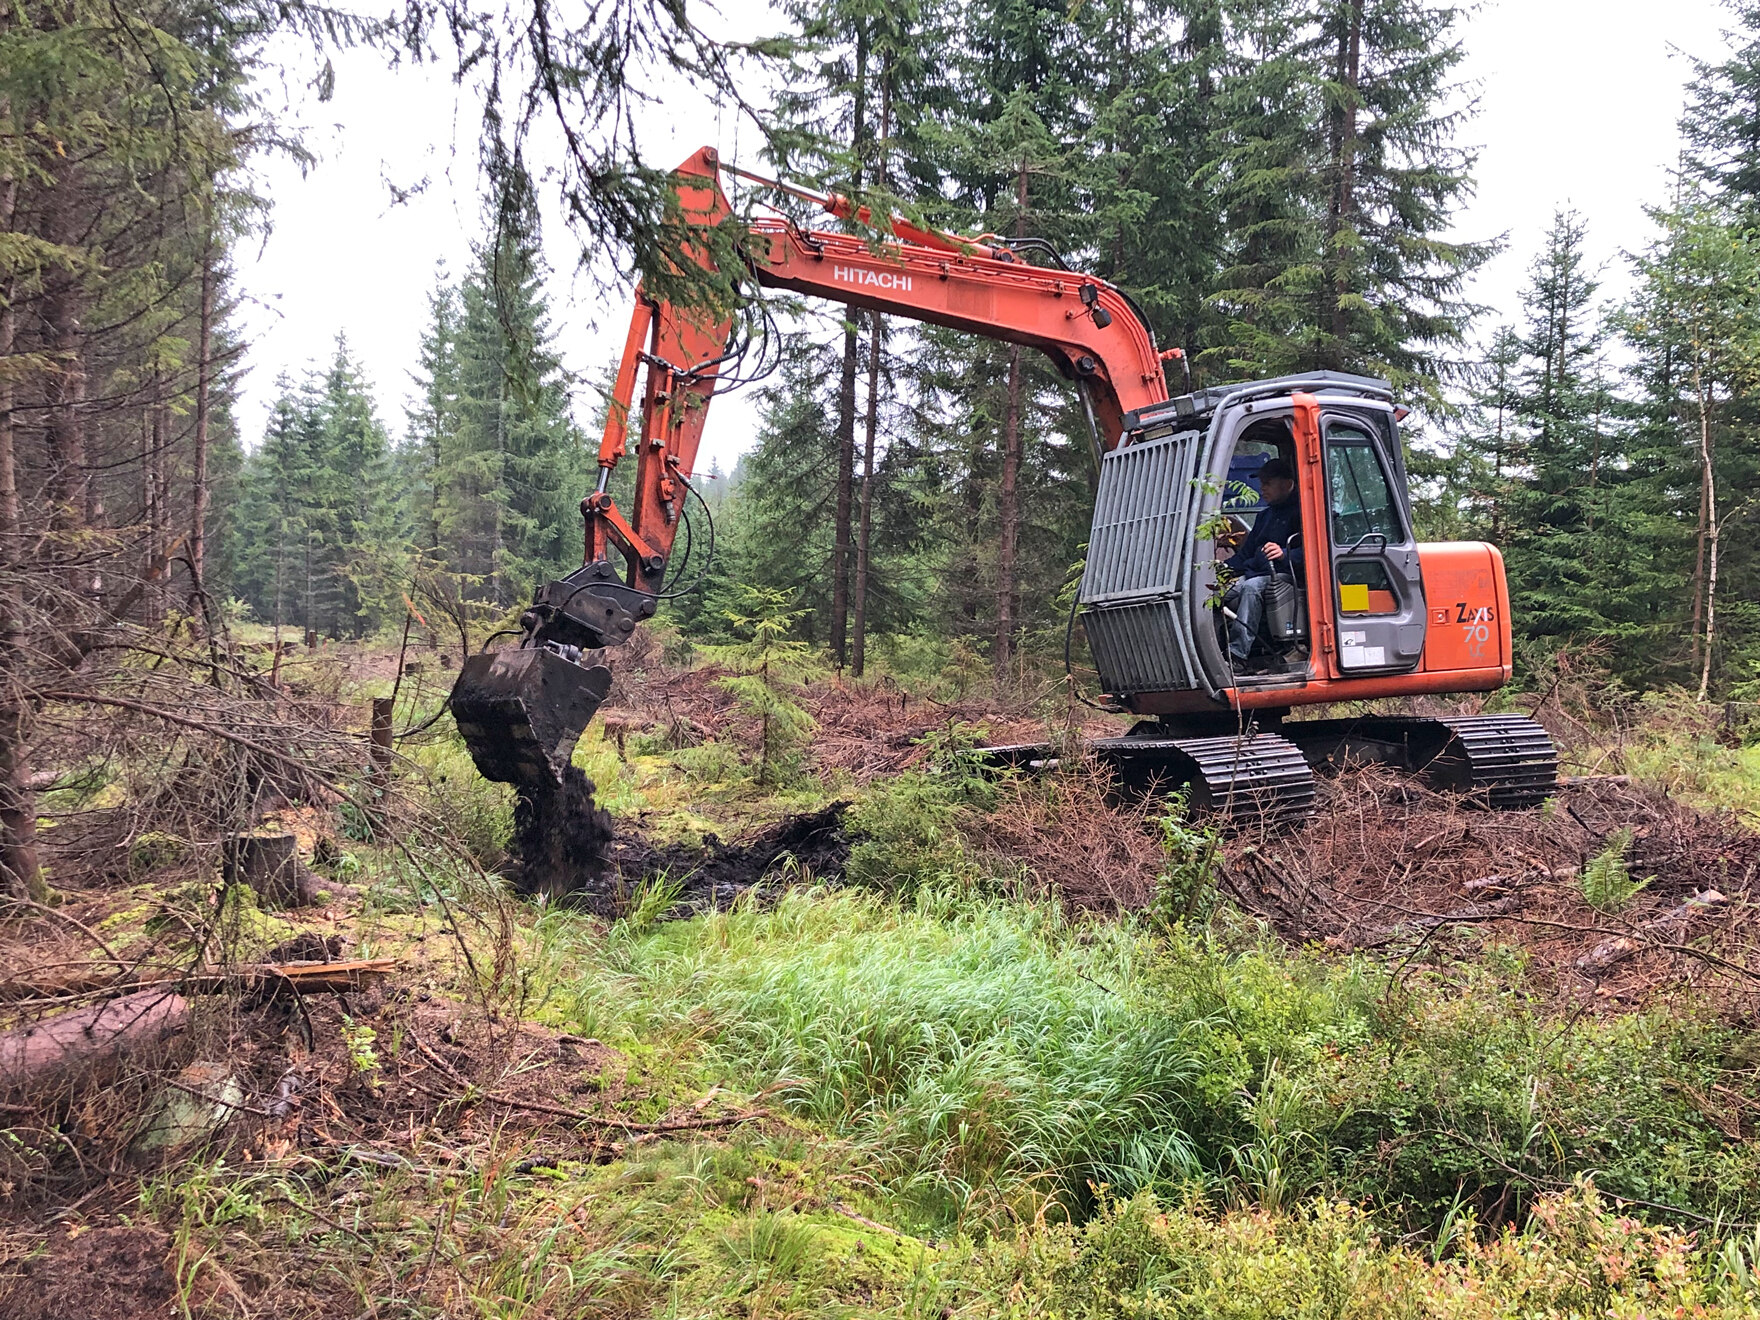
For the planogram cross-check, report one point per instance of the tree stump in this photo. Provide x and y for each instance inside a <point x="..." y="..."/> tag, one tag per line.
<point x="270" y="865"/>
<point x="380" y="752"/>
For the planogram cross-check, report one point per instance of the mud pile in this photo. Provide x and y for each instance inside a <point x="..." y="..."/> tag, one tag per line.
<point x="568" y="850"/>
<point x="803" y="849"/>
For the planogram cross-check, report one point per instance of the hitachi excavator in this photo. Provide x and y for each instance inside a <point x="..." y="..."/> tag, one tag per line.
<point x="1374" y="614"/>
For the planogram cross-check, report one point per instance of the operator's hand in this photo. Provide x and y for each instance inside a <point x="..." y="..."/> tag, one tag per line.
<point x="1273" y="551"/>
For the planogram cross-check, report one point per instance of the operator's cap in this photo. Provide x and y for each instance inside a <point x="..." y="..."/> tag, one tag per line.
<point x="1274" y="468"/>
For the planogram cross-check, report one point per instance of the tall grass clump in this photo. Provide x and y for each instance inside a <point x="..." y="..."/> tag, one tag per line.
<point x="972" y="1052"/>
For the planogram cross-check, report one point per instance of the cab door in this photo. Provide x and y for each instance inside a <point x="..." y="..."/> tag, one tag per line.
<point x="1377" y="586"/>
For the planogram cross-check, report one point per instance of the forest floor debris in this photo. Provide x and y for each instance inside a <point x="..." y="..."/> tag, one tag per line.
<point x="1389" y="865"/>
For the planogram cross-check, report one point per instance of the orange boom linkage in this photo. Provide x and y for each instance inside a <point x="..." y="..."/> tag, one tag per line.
<point x="1372" y="613"/>
<point x="1084" y="325"/>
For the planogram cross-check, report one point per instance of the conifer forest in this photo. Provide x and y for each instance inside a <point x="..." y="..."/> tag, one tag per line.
<point x="942" y="870"/>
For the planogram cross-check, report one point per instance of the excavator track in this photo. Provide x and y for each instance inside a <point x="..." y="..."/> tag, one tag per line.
<point x="1257" y="778"/>
<point x="1509" y="758"/>
<point x="1508" y="761"/>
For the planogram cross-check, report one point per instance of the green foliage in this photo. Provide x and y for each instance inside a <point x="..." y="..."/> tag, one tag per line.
<point x="1607" y="881"/>
<point x="906" y="829"/>
<point x="320" y="540"/>
<point x="983" y="1058"/>
<point x="360" y="1038"/>
<point x="653" y="899"/>
<point x="496" y="467"/>
<point x="1185" y="890"/>
<point x="1142" y="1258"/>
<point x="479" y="811"/>
<point x="767" y="667"/>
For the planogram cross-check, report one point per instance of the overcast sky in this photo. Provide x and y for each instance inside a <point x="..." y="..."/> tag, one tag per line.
<point x="1577" y="106"/>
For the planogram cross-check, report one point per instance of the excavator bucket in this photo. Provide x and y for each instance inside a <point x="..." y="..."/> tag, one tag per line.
<point x="521" y="712"/>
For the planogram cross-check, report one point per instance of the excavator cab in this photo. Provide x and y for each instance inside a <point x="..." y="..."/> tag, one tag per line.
<point x="1182" y="489"/>
<point x="1374" y="612"/>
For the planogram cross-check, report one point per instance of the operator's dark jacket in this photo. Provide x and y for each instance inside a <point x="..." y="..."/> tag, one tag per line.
<point x="1274" y="526"/>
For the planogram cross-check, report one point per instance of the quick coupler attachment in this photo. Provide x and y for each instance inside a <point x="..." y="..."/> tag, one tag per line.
<point x="522" y="711"/>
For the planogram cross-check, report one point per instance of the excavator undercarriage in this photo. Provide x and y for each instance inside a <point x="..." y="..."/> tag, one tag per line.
<point x="1265" y="775"/>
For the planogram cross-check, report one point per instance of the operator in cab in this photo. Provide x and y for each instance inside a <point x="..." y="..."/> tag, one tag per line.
<point x="1266" y="550"/>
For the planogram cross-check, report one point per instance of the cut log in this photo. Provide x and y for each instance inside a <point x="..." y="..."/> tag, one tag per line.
<point x="308" y="978"/>
<point x="269" y="864"/>
<point x="90" y="1040"/>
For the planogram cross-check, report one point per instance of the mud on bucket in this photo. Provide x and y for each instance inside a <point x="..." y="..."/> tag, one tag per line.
<point x="521" y="712"/>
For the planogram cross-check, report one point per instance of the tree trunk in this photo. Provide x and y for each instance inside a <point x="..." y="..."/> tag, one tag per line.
<point x="846" y="393"/>
<point x="1008" y="500"/>
<point x="1708" y="498"/>
<point x="155" y="497"/>
<point x="1698" y="583"/>
<point x="1344" y="163"/>
<point x="866" y="517"/>
<point x="846" y="463"/>
<point x="1009" y="518"/>
<point x="865" y="528"/>
<point x="69" y="484"/>
<point x="198" y="522"/>
<point x="20" y="874"/>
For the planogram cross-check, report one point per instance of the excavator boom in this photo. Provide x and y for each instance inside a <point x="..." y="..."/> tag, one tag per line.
<point x="538" y="698"/>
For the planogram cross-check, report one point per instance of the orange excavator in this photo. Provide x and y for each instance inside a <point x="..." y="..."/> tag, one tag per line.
<point x="1371" y="613"/>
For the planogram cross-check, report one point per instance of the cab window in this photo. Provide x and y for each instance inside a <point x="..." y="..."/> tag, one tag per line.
<point x="1362" y="498"/>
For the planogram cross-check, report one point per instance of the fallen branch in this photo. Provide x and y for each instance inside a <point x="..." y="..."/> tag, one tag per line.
<point x="306" y="978"/>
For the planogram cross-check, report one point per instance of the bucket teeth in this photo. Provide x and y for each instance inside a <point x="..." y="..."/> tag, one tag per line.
<point x="522" y="711"/>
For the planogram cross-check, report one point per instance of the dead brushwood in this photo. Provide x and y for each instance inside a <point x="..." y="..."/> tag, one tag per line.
<point x="1072" y="838"/>
<point x="153" y="753"/>
<point x="1386" y="864"/>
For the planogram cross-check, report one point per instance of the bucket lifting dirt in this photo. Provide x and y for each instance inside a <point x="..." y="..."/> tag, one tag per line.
<point x="522" y="710"/>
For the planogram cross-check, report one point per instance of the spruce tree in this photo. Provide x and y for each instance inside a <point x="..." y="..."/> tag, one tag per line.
<point x="502" y="465"/>
<point x="1720" y="124"/>
<point x="1578" y="525"/>
<point x="1339" y="176"/>
<point x="1696" y="320"/>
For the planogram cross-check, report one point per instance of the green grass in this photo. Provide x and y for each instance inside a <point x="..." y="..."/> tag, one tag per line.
<point x="987" y="1060"/>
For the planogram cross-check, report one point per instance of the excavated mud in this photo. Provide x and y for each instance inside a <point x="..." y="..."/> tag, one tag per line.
<point x="808" y="848"/>
<point x="562" y="840"/>
<point x="568" y="850"/>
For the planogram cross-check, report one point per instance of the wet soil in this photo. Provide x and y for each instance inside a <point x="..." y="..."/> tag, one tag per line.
<point x="121" y="1273"/>
<point x="808" y="848"/>
<point x="562" y="839"/>
<point x="569" y="850"/>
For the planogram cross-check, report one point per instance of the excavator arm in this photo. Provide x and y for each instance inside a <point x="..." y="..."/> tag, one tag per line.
<point x="521" y="710"/>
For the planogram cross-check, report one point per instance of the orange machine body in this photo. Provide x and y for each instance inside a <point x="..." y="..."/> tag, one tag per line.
<point x="1092" y="332"/>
